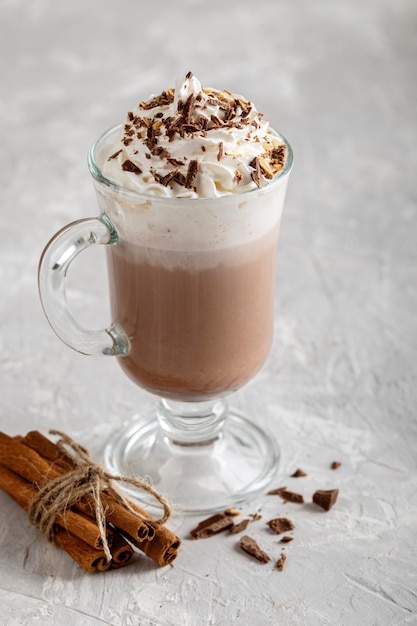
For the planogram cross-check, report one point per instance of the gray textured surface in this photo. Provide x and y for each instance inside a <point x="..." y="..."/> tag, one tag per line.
<point x="339" y="79"/>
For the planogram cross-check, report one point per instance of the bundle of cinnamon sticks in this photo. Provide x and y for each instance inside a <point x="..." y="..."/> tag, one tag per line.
<point x="28" y="463"/>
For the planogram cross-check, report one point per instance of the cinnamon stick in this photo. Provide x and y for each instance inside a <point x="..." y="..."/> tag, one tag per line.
<point x="38" y="442"/>
<point x="117" y="514"/>
<point x="88" y="557"/>
<point x="163" y="548"/>
<point x="29" y="464"/>
<point x="161" y="544"/>
<point x="77" y="524"/>
<point x="121" y="551"/>
<point x="86" y="553"/>
<point x="25" y="456"/>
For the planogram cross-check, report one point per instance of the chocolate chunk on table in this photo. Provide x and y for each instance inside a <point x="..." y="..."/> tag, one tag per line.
<point x="288" y="496"/>
<point x="325" y="498"/>
<point x="211" y="526"/>
<point x="299" y="473"/>
<point x="249" y="545"/>
<point x="240" y="527"/>
<point x="280" y="564"/>
<point x="280" y="525"/>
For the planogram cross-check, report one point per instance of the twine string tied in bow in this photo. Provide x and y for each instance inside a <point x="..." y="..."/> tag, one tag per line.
<point x="86" y="479"/>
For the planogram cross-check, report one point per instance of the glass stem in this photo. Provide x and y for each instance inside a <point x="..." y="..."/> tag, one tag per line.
<point x="192" y="423"/>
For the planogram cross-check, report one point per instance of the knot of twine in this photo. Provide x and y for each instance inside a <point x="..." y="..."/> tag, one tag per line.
<point x="88" y="478"/>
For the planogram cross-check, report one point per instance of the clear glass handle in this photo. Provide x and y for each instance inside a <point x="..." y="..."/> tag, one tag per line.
<point x="53" y="266"/>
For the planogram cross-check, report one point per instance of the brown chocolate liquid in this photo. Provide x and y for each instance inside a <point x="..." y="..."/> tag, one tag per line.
<point x="198" y="327"/>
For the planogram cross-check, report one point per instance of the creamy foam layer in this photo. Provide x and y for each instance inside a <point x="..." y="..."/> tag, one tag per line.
<point x="196" y="261"/>
<point x="195" y="225"/>
<point x="190" y="142"/>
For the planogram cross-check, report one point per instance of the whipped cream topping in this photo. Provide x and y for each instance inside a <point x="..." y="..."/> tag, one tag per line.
<point x="195" y="143"/>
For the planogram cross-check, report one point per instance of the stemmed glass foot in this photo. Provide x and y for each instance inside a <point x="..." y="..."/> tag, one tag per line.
<point x="204" y="456"/>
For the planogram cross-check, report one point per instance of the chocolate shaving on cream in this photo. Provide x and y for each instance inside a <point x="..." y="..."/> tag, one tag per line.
<point x="194" y="142"/>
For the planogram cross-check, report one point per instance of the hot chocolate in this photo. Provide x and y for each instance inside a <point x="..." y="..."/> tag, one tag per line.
<point x="199" y="326"/>
<point x="192" y="275"/>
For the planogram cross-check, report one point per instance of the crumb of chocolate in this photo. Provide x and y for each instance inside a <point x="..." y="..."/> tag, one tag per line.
<point x="229" y="114"/>
<point x="151" y="140"/>
<point x="179" y="178"/>
<point x="187" y="109"/>
<point x="211" y="526"/>
<point x="280" y="525"/>
<point x="286" y="539"/>
<point x="160" y="152"/>
<point x="299" y="473"/>
<point x="191" y="174"/>
<point x="267" y="164"/>
<point x="276" y="492"/>
<point x="215" y="122"/>
<point x="245" y="112"/>
<point x="220" y="152"/>
<point x="280" y="564"/>
<point x="128" y="166"/>
<point x="164" y="99"/>
<point x="257" y="173"/>
<point x="325" y="498"/>
<point x="278" y="155"/>
<point x="165" y="180"/>
<point x="190" y="128"/>
<point x="176" y="162"/>
<point x="287" y="496"/>
<point x="240" y="527"/>
<point x="238" y="176"/>
<point x="214" y="101"/>
<point x="291" y="496"/>
<point x="335" y="465"/>
<point x="114" y="155"/>
<point x="249" y="545"/>
<point x="255" y="516"/>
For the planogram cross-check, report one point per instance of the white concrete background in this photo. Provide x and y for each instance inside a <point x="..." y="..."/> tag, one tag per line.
<point x="339" y="80"/>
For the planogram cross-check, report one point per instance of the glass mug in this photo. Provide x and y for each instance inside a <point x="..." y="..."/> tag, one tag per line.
<point x="191" y="290"/>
